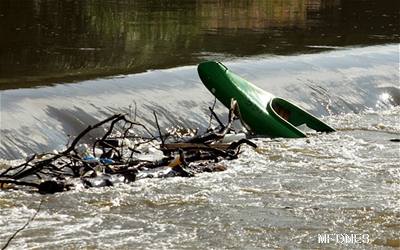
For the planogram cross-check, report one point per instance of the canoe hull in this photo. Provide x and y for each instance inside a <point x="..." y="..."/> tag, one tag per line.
<point x="257" y="107"/>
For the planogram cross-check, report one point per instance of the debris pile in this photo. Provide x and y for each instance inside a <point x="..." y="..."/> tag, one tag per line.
<point x="123" y="154"/>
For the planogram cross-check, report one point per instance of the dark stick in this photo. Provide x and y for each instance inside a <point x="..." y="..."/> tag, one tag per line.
<point x="236" y="144"/>
<point x="40" y="165"/>
<point x="139" y="124"/>
<point x="111" y="127"/>
<point x="23" y="227"/>
<point x="231" y="117"/>
<point x="25" y="164"/>
<point x="158" y="127"/>
<point x="19" y="171"/>
<point x="216" y="118"/>
<point x="107" y="134"/>
<point x="134" y="118"/>
<point x="224" y="129"/>
<point x="84" y="132"/>
<point x="212" y="111"/>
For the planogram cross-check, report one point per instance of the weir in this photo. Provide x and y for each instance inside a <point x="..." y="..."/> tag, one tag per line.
<point x="330" y="83"/>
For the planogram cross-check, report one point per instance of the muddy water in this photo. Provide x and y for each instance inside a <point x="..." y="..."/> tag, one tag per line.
<point x="281" y="196"/>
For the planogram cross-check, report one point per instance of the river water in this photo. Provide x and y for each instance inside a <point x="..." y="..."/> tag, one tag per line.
<point x="67" y="64"/>
<point x="281" y="196"/>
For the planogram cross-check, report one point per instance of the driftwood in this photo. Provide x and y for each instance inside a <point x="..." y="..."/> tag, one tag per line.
<point x="119" y="152"/>
<point x="194" y="146"/>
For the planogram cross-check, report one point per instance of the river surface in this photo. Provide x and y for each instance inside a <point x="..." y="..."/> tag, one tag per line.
<point x="281" y="196"/>
<point x="67" y="64"/>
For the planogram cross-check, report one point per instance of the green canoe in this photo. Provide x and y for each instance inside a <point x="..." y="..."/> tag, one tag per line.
<point x="261" y="111"/>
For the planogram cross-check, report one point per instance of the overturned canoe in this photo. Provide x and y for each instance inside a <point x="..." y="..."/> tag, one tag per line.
<point x="261" y="111"/>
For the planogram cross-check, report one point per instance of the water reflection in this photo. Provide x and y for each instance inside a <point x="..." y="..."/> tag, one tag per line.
<point x="57" y="41"/>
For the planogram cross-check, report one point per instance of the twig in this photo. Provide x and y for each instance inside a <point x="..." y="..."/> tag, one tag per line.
<point x="40" y="165"/>
<point x="236" y="144"/>
<point x="216" y="118"/>
<point x="140" y="125"/>
<point x="158" y="127"/>
<point x="84" y="132"/>
<point x="23" y="227"/>
<point x="134" y="118"/>
<point x="212" y="112"/>
<point x="23" y="165"/>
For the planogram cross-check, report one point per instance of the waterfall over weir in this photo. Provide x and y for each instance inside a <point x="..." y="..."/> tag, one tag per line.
<point x="342" y="81"/>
